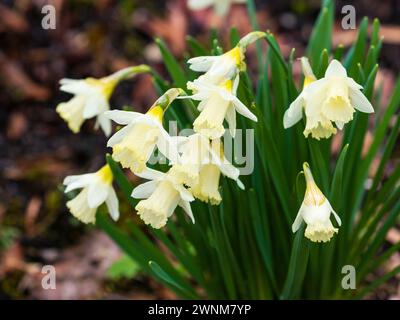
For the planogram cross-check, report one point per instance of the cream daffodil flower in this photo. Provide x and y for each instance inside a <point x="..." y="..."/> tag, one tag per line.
<point x="200" y="164"/>
<point x="333" y="98"/>
<point x="91" y="98"/>
<point x="96" y="189"/>
<point x="162" y="195"/>
<point x="207" y="187"/>
<point x="134" y="144"/>
<point x="217" y="102"/>
<point x="226" y="66"/>
<point x="315" y="211"/>
<point x="195" y="151"/>
<point x="221" y="7"/>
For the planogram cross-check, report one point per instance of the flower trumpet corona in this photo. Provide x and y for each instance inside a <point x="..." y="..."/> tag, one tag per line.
<point x="207" y="187"/>
<point x="315" y="211"/>
<point x="334" y="98"/>
<point x="96" y="189"/>
<point x="221" y="7"/>
<point x="162" y="195"/>
<point x="134" y="144"/>
<point x="228" y="65"/>
<point x="217" y="102"/>
<point x="91" y="98"/>
<point x="195" y="151"/>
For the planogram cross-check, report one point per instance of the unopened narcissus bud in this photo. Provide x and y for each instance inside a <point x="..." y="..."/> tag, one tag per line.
<point x="333" y="98"/>
<point x="315" y="211"/>
<point x="134" y="144"/>
<point x="207" y="187"/>
<point x="162" y="195"/>
<point x="91" y="98"/>
<point x="96" y="189"/>
<point x="217" y="102"/>
<point x="221" y="7"/>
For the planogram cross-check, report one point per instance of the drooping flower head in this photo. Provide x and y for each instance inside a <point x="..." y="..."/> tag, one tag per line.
<point x="207" y="187"/>
<point x="226" y="66"/>
<point x="96" y="189"/>
<point x="332" y="99"/>
<point x="217" y="103"/>
<point x="91" y="98"/>
<point x="194" y="151"/>
<point x="162" y="195"/>
<point x="216" y="89"/>
<point x="134" y="144"/>
<point x="221" y="7"/>
<point x="315" y="211"/>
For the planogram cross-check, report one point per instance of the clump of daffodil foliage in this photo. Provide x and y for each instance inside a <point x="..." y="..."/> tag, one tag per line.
<point x="285" y="230"/>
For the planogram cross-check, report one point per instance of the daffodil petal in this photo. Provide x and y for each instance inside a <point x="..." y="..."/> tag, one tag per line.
<point x="105" y="124"/>
<point x="151" y="174"/>
<point x="122" y="117"/>
<point x="112" y="204"/>
<point x="360" y="102"/>
<point x="243" y="110"/>
<point x="97" y="194"/>
<point x="144" y="190"/>
<point x="335" y="69"/>
<point x="201" y="64"/>
<point x="231" y="119"/>
<point x="294" y="113"/>
<point x="297" y="222"/>
<point x="77" y="181"/>
<point x="185" y="205"/>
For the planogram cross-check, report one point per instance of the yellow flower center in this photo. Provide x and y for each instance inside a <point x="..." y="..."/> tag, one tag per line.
<point x="156" y="112"/>
<point x="236" y="55"/>
<point x="227" y="85"/>
<point x="308" y="80"/>
<point x="106" y="85"/>
<point x="105" y="174"/>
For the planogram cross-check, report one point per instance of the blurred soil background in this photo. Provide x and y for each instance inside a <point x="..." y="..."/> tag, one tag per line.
<point x="37" y="150"/>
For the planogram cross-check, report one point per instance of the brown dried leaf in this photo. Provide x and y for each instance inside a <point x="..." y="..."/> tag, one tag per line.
<point x="31" y="214"/>
<point x="12" y="20"/>
<point x="19" y="81"/>
<point x="17" y="125"/>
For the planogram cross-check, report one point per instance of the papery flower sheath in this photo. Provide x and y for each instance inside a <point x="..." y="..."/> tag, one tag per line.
<point x="162" y="195"/>
<point x="221" y="7"/>
<point x="207" y="187"/>
<point x="217" y="102"/>
<point x="96" y="189"/>
<point x="91" y="98"/>
<point x="134" y="144"/>
<point x="334" y="98"/>
<point x="315" y="211"/>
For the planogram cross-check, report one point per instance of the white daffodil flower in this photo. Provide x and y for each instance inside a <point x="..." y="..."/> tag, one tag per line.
<point x="217" y="102"/>
<point x="96" y="189"/>
<point x="162" y="195"/>
<point x="333" y="98"/>
<point x="221" y="7"/>
<point x="226" y="66"/>
<point x="134" y="144"/>
<point x="195" y="150"/>
<point x="200" y="165"/>
<point x="207" y="187"/>
<point x="91" y="98"/>
<point x="220" y="68"/>
<point x="315" y="211"/>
